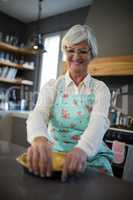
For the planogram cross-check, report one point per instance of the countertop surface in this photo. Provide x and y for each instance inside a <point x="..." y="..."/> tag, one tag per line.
<point x="17" y="184"/>
<point x="121" y="130"/>
<point x="15" y="113"/>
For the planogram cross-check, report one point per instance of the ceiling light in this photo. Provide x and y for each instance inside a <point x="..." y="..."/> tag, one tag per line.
<point x="38" y="40"/>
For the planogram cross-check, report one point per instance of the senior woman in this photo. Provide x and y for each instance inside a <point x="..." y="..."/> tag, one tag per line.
<point x="71" y="114"/>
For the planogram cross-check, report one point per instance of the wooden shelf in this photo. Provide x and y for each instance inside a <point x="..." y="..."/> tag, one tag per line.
<point x="11" y="64"/>
<point x="110" y="66"/>
<point x="5" y="63"/>
<point x="16" y="81"/>
<point x="7" y="47"/>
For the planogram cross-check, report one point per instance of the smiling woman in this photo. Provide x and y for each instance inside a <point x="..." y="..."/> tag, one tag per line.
<point x="71" y="114"/>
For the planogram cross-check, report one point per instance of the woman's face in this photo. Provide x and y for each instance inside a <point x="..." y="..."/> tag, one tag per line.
<point x="78" y="57"/>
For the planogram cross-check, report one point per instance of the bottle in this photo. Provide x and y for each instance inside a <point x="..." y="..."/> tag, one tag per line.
<point x="118" y="119"/>
<point x="113" y="117"/>
<point x="23" y="104"/>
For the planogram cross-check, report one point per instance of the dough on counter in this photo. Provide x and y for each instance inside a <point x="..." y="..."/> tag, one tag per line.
<point x="57" y="160"/>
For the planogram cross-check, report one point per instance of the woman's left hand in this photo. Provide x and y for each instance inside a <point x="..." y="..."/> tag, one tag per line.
<point x="75" y="162"/>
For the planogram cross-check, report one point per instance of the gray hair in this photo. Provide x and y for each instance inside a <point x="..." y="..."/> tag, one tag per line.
<point x="79" y="33"/>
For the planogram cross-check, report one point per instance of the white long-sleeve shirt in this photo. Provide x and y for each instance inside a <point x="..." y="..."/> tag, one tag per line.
<point x="93" y="135"/>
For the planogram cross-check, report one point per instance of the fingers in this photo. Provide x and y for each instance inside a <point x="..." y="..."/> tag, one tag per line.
<point x="69" y="167"/>
<point x="81" y="167"/>
<point x="49" y="162"/>
<point x="75" y="163"/>
<point x="39" y="158"/>
<point x="35" y="161"/>
<point x="76" y="166"/>
<point x="42" y="163"/>
<point x="29" y="158"/>
<point x="45" y="162"/>
<point x="65" y="170"/>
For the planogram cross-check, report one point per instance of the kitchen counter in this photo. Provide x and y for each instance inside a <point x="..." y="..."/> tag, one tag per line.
<point x="16" y="183"/>
<point x="121" y="130"/>
<point x="17" y="113"/>
<point x="13" y="127"/>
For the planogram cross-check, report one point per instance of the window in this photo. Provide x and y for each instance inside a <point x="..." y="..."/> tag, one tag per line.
<point x="50" y="58"/>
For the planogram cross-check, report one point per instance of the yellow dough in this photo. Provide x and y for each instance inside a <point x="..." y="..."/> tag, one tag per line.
<point x="57" y="160"/>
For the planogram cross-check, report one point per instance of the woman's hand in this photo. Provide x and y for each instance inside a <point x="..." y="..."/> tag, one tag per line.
<point x="39" y="157"/>
<point x="75" y="162"/>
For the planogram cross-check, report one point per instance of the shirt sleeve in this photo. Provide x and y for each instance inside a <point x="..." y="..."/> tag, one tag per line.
<point x="38" y="118"/>
<point x="92" y="137"/>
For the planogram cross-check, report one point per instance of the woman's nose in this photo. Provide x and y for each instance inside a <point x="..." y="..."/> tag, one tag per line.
<point x="76" y="54"/>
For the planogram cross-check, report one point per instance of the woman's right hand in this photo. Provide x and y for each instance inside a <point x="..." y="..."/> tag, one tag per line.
<point x="39" y="156"/>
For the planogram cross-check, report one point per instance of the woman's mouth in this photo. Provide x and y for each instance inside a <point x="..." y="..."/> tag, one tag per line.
<point x="76" y="64"/>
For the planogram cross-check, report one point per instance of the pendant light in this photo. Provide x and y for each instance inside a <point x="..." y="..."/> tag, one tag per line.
<point x="37" y="42"/>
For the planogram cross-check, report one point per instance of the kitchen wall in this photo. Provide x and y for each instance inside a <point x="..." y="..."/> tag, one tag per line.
<point x="60" y="22"/>
<point x="12" y="26"/>
<point x="112" y="22"/>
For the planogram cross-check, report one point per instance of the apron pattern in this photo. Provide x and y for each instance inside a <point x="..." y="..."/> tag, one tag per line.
<point x="69" y="117"/>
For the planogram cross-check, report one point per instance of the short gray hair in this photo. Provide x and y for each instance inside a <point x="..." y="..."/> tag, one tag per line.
<point x="79" y="33"/>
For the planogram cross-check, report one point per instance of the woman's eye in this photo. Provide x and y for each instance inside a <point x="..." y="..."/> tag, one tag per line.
<point x="83" y="52"/>
<point x="70" y="51"/>
<point x="79" y="51"/>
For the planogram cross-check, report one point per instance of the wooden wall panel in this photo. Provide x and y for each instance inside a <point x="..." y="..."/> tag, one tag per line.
<point x="110" y="66"/>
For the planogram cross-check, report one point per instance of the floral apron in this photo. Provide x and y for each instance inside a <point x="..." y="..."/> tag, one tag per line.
<point x="69" y="117"/>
